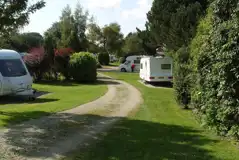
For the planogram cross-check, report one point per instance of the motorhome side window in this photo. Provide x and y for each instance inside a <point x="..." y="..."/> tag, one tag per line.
<point x="165" y="66"/>
<point x="136" y="61"/>
<point x="12" y="68"/>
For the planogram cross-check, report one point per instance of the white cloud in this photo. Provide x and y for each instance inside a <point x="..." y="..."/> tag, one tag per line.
<point x="105" y="4"/>
<point x="143" y="6"/>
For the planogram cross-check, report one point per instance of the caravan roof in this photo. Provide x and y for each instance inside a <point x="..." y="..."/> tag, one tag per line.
<point x="9" y="54"/>
<point x="158" y="57"/>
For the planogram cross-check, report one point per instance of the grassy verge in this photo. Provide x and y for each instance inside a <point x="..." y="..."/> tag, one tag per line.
<point x="115" y="64"/>
<point x="62" y="96"/>
<point x="160" y="130"/>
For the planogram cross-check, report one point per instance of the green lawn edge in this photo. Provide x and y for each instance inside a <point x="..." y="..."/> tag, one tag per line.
<point x="160" y="130"/>
<point x="62" y="96"/>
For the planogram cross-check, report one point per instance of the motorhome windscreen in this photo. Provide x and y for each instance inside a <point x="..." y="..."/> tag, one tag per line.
<point x="165" y="66"/>
<point x="12" y="68"/>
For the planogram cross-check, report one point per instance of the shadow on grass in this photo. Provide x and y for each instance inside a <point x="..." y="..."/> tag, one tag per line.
<point x="104" y="78"/>
<point x="127" y="140"/>
<point x="100" y="80"/>
<point x="107" y="82"/>
<point x="58" y="83"/>
<point x="15" y="117"/>
<point x="161" y="84"/>
<point x="4" y="100"/>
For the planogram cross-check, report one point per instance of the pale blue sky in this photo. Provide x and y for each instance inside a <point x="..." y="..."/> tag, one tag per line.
<point x="128" y="13"/>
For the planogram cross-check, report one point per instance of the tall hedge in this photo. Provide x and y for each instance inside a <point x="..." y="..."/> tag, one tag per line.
<point x="83" y="67"/>
<point x="215" y="52"/>
<point x="104" y="58"/>
<point x="182" y="78"/>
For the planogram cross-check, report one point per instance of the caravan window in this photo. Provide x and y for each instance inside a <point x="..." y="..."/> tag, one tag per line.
<point x="12" y="68"/>
<point x="141" y="66"/>
<point x="165" y="66"/>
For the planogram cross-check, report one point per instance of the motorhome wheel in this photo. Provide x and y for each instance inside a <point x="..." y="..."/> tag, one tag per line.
<point x="32" y="98"/>
<point x="123" y="70"/>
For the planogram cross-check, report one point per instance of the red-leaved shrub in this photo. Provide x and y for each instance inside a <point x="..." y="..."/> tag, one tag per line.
<point x="61" y="60"/>
<point x="36" y="62"/>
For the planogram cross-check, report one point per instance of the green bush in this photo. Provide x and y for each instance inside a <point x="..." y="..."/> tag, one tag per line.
<point x="122" y="60"/>
<point x="61" y="63"/>
<point x="182" y="81"/>
<point x="98" y="65"/>
<point x="215" y="94"/>
<point x="83" y="67"/>
<point x="104" y="58"/>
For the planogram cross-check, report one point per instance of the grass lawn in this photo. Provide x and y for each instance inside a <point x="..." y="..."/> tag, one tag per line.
<point x="115" y="64"/>
<point x="62" y="96"/>
<point x="160" y="130"/>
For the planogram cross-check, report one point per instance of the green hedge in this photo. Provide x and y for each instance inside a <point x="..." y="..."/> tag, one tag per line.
<point x="215" y="54"/>
<point x="104" y="58"/>
<point x="83" y="67"/>
<point x="182" y="81"/>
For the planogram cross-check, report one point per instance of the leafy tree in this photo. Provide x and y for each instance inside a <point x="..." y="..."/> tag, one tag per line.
<point x="80" y="24"/>
<point x="132" y="43"/>
<point x="52" y="39"/>
<point x="15" y="14"/>
<point x="73" y="28"/>
<point x="107" y="39"/>
<point x="68" y="34"/>
<point x="149" y="43"/>
<point x="24" y="42"/>
<point x="112" y="38"/>
<point x="95" y="37"/>
<point x="174" y="22"/>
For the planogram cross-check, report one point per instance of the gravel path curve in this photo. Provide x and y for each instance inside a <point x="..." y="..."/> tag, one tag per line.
<point x="53" y="136"/>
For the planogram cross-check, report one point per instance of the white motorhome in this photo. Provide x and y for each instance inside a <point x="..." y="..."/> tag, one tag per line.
<point x="126" y="66"/>
<point x="156" y="69"/>
<point x="14" y="76"/>
<point x="113" y="58"/>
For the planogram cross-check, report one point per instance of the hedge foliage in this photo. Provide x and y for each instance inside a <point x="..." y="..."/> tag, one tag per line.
<point x="182" y="77"/>
<point x="215" y="59"/>
<point x="104" y="58"/>
<point x="83" y="67"/>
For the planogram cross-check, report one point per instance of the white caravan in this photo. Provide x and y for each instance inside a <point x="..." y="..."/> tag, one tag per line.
<point x="156" y="69"/>
<point x="14" y="76"/>
<point x="126" y="66"/>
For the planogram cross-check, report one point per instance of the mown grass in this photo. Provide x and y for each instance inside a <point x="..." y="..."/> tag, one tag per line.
<point x="115" y="64"/>
<point x="160" y="130"/>
<point x="62" y="96"/>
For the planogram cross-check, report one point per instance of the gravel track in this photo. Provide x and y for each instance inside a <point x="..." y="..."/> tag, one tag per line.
<point x="53" y="136"/>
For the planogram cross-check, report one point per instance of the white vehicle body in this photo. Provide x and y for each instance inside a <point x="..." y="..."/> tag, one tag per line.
<point x="14" y="76"/>
<point x="156" y="69"/>
<point x="126" y="66"/>
<point x="113" y="58"/>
